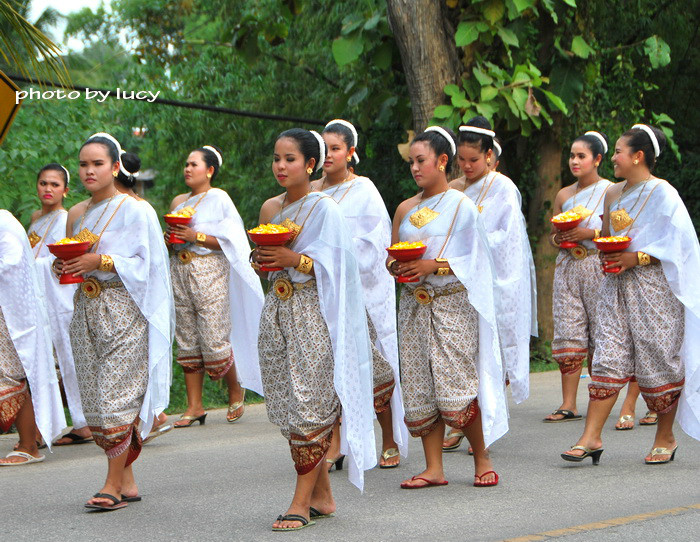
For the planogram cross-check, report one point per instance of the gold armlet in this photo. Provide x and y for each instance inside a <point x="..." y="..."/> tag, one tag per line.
<point x="305" y="266"/>
<point x="643" y="258"/>
<point x="106" y="263"/>
<point x="552" y="241"/>
<point x="201" y="239"/>
<point x="389" y="265"/>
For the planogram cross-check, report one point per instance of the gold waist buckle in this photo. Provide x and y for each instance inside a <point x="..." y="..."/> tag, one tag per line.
<point x="284" y="288"/>
<point x="579" y="252"/>
<point x="425" y="296"/>
<point x="92" y="288"/>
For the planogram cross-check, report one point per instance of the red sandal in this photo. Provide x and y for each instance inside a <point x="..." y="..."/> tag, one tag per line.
<point x="479" y="483"/>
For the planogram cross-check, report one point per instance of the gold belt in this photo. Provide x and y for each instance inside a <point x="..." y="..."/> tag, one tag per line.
<point x="186" y="256"/>
<point x="581" y="253"/>
<point x="92" y="287"/>
<point x="284" y="288"/>
<point x="425" y="296"/>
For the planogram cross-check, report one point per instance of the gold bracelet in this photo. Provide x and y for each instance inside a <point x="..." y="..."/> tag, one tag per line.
<point x="596" y="234"/>
<point x="389" y="264"/>
<point x="305" y="266"/>
<point x="201" y="239"/>
<point x="643" y="258"/>
<point x="552" y="241"/>
<point x="106" y="263"/>
<point x="442" y="271"/>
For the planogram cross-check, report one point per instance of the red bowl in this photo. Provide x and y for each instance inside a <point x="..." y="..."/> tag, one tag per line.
<point x="406" y="255"/>
<point x="566" y="226"/>
<point x="172" y="220"/>
<point x="612" y="247"/>
<point x="270" y="239"/>
<point x="68" y="252"/>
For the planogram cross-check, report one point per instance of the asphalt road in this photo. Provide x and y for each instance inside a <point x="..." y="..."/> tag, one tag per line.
<point x="228" y="482"/>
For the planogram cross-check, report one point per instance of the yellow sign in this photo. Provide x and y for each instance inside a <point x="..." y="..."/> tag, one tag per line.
<point x="8" y="104"/>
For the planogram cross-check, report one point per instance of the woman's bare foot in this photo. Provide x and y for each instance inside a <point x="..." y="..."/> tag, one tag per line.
<point x="419" y="480"/>
<point x="591" y="445"/>
<point x="194" y="412"/>
<point x="626" y="421"/>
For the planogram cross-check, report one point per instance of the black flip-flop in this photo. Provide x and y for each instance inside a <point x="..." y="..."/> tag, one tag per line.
<point x="135" y="498"/>
<point x="118" y="503"/>
<point x="316" y="514"/>
<point x="569" y="416"/>
<point x="75" y="438"/>
<point x="294" y="517"/>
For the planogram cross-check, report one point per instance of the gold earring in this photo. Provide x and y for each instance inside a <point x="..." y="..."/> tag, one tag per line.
<point x="115" y="174"/>
<point x="441" y="167"/>
<point x="488" y="161"/>
<point x="309" y="170"/>
<point x="208" y="175"/>
<point x="348" y="158"/>
<point x="635" y="162"/>
<point x="597" y="164"/>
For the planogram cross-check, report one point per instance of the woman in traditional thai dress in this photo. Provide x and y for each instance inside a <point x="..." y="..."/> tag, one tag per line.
<point x="48" y="226"/>
<point x="370" y="227"/>
<point x="26" y="360"/>
<point x="451" y="368"/>
<point x="649" y="311"/>
<point x="499" y="202"/>
<point x="315" y="353"/>
<point x="577" y="275"/>
<point x="120" y="332"/>
<point x="218" y="297"/>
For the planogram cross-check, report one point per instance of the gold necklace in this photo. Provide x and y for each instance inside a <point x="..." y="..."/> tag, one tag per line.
<point x="84" y="234"/>
<point x="480" y="198"/>
<point x="583" y="210"/>
<point x="34" y="237"/>
<point x="292" y="225"/>
<point x="633" y="220"/>
<point x="425" y="215"/>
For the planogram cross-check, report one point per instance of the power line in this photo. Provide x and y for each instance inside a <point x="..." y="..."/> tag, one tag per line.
<point x="177" y="103"/>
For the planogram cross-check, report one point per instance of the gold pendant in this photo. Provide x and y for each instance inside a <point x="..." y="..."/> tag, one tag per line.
<point x="480" y="208"/>
<point x="581" y="211"/>
<point x="34" y="238"/>
<point x="422" y="217"/>
<point x="293" y="227"/>
<point x="86" y="235"/>
<point x="620" y="219"/>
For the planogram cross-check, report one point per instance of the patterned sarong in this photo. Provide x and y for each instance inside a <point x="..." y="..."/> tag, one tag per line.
<point x="13" y="381"/>
<point x="202" y="311"/>
<point x="296" y="363"/>
<point x="640" y="336"/>
<point x="109" y="336"/>
<point x="382" y="373"/>
<point x="439" y="346"/>
<point x="574" y="300"/>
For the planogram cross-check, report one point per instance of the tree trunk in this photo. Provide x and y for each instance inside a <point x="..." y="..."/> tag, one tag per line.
<point x="549" y="150"/>
<point x="428" y="53"/>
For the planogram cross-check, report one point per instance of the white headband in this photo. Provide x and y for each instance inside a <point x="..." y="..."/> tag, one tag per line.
<point x="652" y="136"/>
<point x="123" y="168"/>
<point x="444" y="134"/>
<point x="67" y="174"/>
<point x="116" y="144"/>
<point x="477" y="130"/>
<point x="498" y="149"/>
<point x="321" y="148"/>
<point x="355" y="139"/>
<point x="600" y="137"/>
<point x="216" y="153"/>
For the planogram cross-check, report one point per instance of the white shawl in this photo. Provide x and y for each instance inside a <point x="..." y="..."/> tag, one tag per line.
<point x="370" y="227"/>
<point x="23" y="307"/>
<point x="325" y="239"/>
